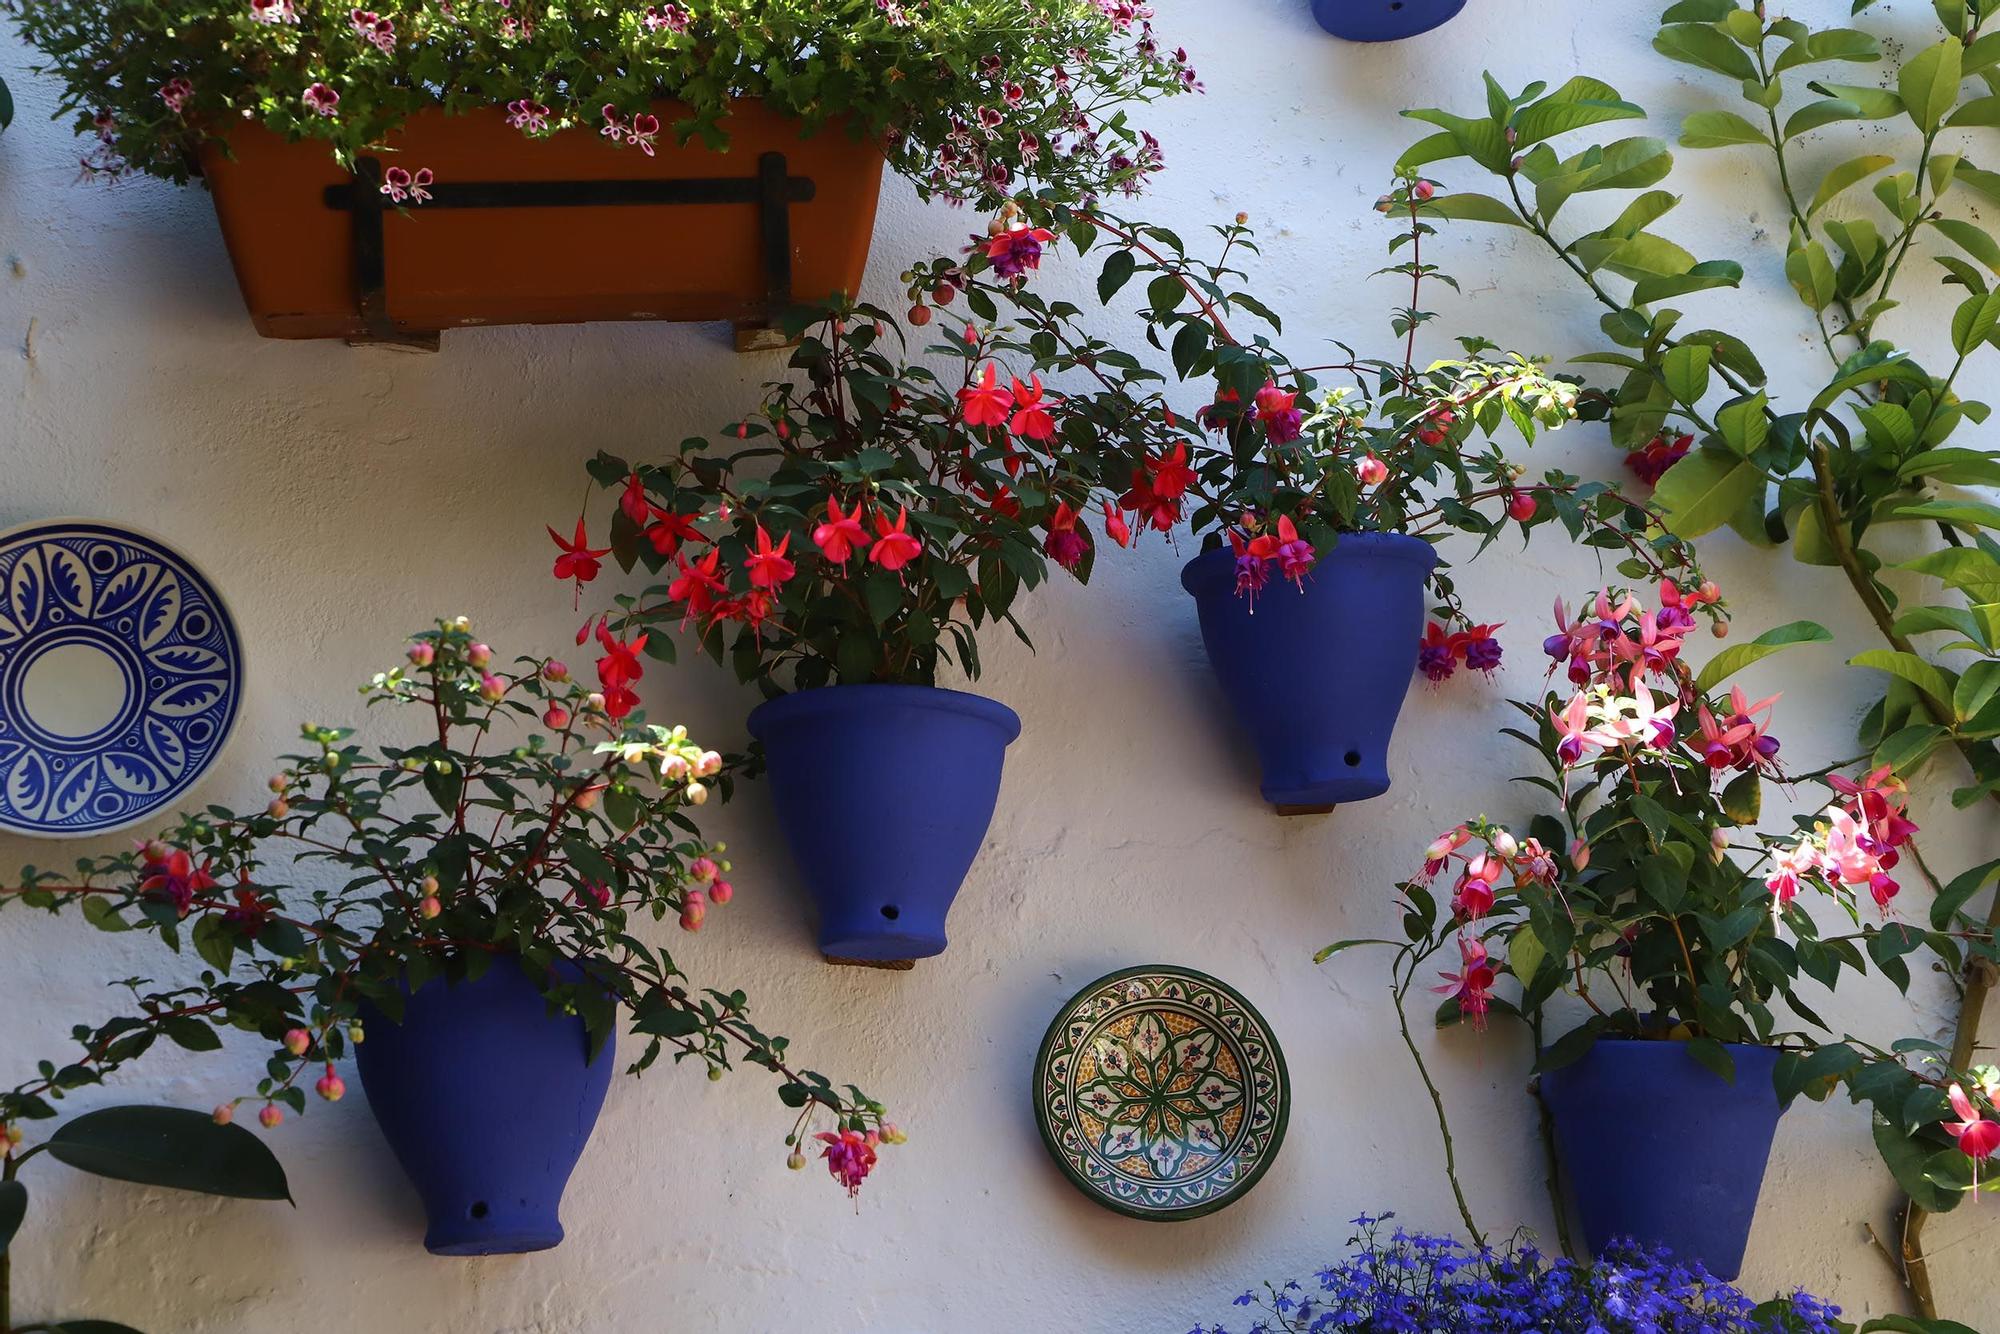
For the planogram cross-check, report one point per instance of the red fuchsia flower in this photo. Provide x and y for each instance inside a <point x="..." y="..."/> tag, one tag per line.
<point x="986" y="403"/>
<point x="597" y="892"/>
<point x="1437" y="653"/>
<point x="1016" y="250"/>
<point x="668" y="530"/>
<point x="1066" y="544"/>
<point x="176" y="880"/>
<point x="175" y="93"/>
<point x="1031" y="420"/>
<point x="372" y="28"/>
<point x="273" y="11"/>
<point x="1274" y="408"/>
<point x="1479" y="648"/>
<point x="1293" y="553"/>
<point x="894" y="547"/>
<point x="1171" y="476"/>
<point x="1436" y="425"/>
<point x="1473" y="898"/>
<point x="1114" y="526"/>
<point x="1649" y="462"/>
<point x="767" y="565"/>
<point x="1472" y="987"/>
<point x="1370" y="471"/>
<point x="841" y="534"/>
<point x="1253" y="568"/>
<point x="527" y="115"/>
<point x="699" y="585"/>
<point x="579" y="560"/>
<point x="321" y="100"/>
<point x="850" y="1157"/>
<point x="249" y="914"/>
<point x="633" y="503"/>
<point x="1978" y="1138"/>
<point x="618" y="669"/>
<point x="1155" y="510"/>
<point x="1521" y="506"/>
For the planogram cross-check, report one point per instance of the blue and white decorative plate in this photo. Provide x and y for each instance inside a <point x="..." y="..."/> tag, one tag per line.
<point x="120" y="677"/>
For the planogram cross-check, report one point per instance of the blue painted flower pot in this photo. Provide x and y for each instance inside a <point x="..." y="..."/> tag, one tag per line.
<point x="1383" y="20"/>
<point x="487" y="1099"/>
<point x="1658" y="1147"/>
<point x="884" y="793"/>
<point x="1317" y="674"/>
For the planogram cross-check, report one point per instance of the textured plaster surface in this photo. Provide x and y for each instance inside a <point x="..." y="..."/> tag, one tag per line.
<point x="340" y="498"/>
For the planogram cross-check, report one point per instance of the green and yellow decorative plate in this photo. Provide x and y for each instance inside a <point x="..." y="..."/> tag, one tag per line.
<point x="1161" y="1093"/>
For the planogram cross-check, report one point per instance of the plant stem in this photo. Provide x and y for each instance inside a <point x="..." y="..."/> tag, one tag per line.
<point x="1399" y="991"/>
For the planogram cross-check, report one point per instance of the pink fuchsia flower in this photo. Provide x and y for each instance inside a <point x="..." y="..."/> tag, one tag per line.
<point x="1649" y="463"/>
<point x="1017" y="250"/>
<point x="1441" y="848"/>
<point x="850" y="1156"/>
<point x="894" y="547"/>
<point x="838" y="537"/>
<point x="1031" y="420"/>
<point x="1472" y="986"/>
<point x="1067" y="543"/>
<point x="273" y="11"/>
<point x="1535" y="864"/>
<point x="579" y="560"/>
<point x="176" y="881"/>
<point x="1276" y="409"/>
<point x="527" y="115"/>
<point x="175" y="93"/>
<point x="1294" y="555"/>
<point x="321" y="100"/>
<point x="767" y="565"/>
<point x="1574" y="738"/>
<point x="1437" y="653"/>
<point x="1473" y="898"/>
<point x="1741" y="741"/>
<point x="1253" y="568"/>
<point x="1978" y="1138"/>
<point x="1788" y="867"/>
<point x="986" y="403"/>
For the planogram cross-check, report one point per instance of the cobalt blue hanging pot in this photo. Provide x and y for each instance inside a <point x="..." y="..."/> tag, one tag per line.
<point x="1317" y="670"/>
<point x="1658" y="1147"/>
<point x="487" y="1100"/>
<point x="884" y="860"/>
<point x="1383" y="20"/>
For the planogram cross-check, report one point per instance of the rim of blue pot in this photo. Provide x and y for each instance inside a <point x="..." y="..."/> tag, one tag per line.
<point x="1335" y="17"/>
<point x="1212" y="569"/>
<point x="804" y="704"/>
<point x="1626" y="1043"/>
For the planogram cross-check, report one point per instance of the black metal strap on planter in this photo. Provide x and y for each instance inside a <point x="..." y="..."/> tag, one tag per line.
<point x="772" y="189"/>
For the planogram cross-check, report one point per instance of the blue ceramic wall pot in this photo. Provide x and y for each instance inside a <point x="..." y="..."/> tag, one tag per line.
<point x="1383" y="20"/>
<point x="1659" y="1147"/>
<point x="488" y="1100"/>
<point x="884" y="856"/>
<point x="1317" y="674"/>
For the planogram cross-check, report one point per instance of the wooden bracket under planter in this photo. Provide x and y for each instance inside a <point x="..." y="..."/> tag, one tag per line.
<point x="773" y="190"/>
<point x="890" y="965"/>
<point x="558" y="229"/>
<point x="1327" y="809"/>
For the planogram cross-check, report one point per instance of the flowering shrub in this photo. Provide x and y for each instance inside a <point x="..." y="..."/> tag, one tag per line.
<point x="977" y="98"/>
<point x="526" y="826"/>
<point x="1826" y="464"/>
<point x="864" y="522"/>
<point x="1416" y="1283"/>
<point x="1274" y="459"/>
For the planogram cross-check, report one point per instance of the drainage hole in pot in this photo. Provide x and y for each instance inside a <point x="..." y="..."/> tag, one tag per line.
<point x="478" y="1209"/>
<point x="1353" y="758"/>
<point x="891" y="911"/>
<point x="1395" y="5"/>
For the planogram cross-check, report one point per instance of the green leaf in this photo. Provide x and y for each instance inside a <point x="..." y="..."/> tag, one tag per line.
<point x="1944" y="908"/>
<point x="1928" y="83"/>
<point x="1932" y="680"/>
<point x="1811" y="275"/>
<point x="1709" y="273"/>
<point x="13" y="1208"/>
<point x="1719" y="129"/>
<point x="1700" y="493"/>
<point x="91" y="1327"/>
<point x="192" y="1033"/>
<point x="1976" y="688"/>
<point x="1968" y="569"/>
<point x="1849" y="173"/>
<point x="171" y="1147"/>
<point x="1580" y="102"/>
<point x="1525" y="954"/>
<point x="1699" y="44"/>
<point x="6" y="106"/>
<point x="1743" y="799"/>
<point x="1869" y="102"/>
<point x="1738" y="656"/>
<point x="1959" y="513"/>
<point x="1972" y="239"/>
<point x="1117" y="271"/>
<point x="1973" y="322"/>
<point x="1980" y="111"/>
<point x="1329" y="951"/>
<point x="1466" y="206"/>
<point x="1906" y="1157"/>
<point x="1714" y="1056"/>
<point x="1743" y="424"/>
<point x="1685" y="370"/>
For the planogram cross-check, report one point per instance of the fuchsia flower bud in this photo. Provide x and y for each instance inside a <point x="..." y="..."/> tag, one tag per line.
<point x="556" y="718"/>
<point x="1422" y="190"/>
<point x="421" y="653"/>
<point x="555" y="669"/>
<point x="330" y="1085"/>
<point x="693" y="910"/>
<point x="1579" y="854"/>
<point x="224" y="1114"/>
<point x="1504" y="844"/>
<point x="479" y="655"/>
<point x="270" y="1117"/>
<point x="1521" y="506"/>
<point x="298" y="1041"/>
<point x="278" y="808"/>
<point x="721" y="892"/>
<point x="491" y="688"/>
<point x="430" y="907"/>
<point x="703" y="868"/>
<point x="1371" y="471"/>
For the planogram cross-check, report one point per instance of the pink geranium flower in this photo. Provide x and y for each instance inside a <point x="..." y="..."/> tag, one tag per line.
<point x="321" y="100"/>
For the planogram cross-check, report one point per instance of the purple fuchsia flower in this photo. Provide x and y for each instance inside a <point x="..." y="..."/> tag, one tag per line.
<point x="1276" y="409"/>
<point x="1480" y="649"/>
<point x="1015" y="250"/>
<point x="1649" y="462"/>
<point x="850" y="1156"/>
<point x="1437" y="655"/>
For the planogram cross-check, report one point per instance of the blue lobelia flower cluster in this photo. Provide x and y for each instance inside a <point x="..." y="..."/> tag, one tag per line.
<point x="1398" y="1282"/>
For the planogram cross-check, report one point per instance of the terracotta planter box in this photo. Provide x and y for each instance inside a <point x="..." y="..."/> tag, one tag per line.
<point x="544" y="231"/>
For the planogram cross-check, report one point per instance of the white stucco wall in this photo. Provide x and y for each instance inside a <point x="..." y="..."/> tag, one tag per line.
<point x="341" y="497"/>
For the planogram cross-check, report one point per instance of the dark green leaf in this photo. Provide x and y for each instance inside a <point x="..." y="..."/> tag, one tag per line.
<point x="172" y="1147"/>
